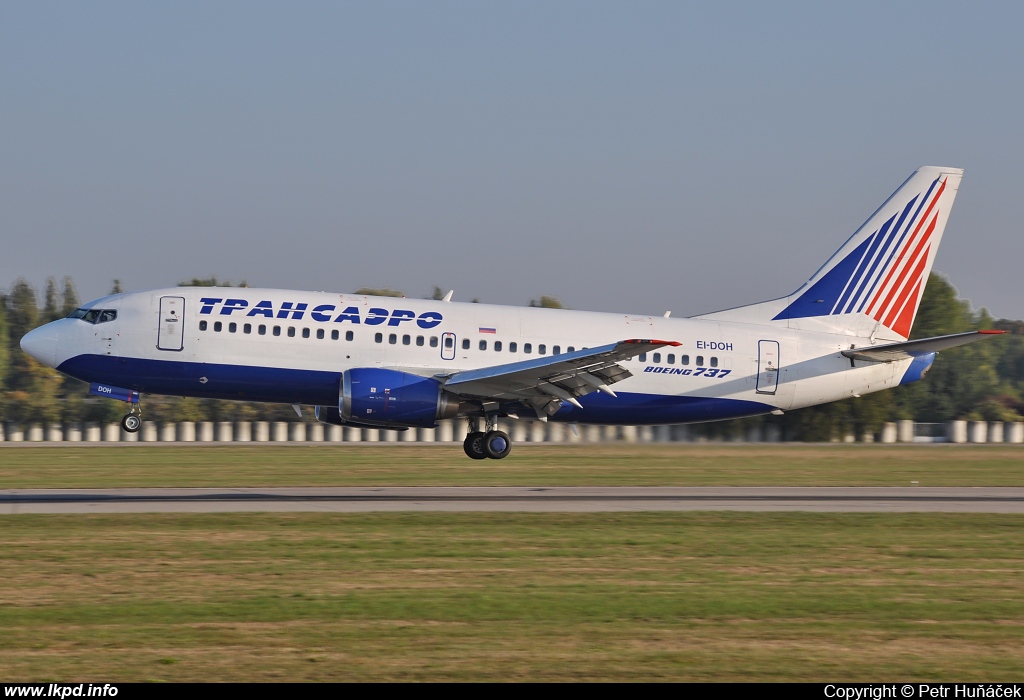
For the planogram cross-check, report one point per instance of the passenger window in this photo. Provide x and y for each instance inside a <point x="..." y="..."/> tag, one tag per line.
<point x="406" y="340"/>
<point x="305" y="332"/>
<point x="202" y="325"/>
<point x="643" y="357"/>
<point x="291" y="331"/>
<point x="218" y="327"/>
<point x="656" y="358"/>
<point x="714" y="362"/>
<point x="512" y="347"/>
<point x="542" y="349"/>
<point x="497" y="346"/>
<point x="483" y="344"/>
<point x="320" y="333"/>
<point x="263" y="330"/>
<point x="684" y="360"/>
<point x="419" y="341"/>
<point x="700" y="360"/>
<point x="433" y="341"/>
<point x="670" y="359"/>
<point x="378" y="337"/>
<point x="557" y="350"/>
<point x="449" y="342"/>
<point x="465" y="344"/>
<point x="570" y="349"/>
<point x="527" y="348"/>
<point x="277" y="330"/>
<point x="247" y="328"/>
<point x="232" y="327"/>
<point x="335" y="334"/>
<point x="392" y="338"/>
<point x="349" y="335"/>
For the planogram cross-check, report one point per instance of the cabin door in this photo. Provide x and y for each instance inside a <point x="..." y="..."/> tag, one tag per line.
<point x="171" y="331"/>
<point x="767" y="366"/>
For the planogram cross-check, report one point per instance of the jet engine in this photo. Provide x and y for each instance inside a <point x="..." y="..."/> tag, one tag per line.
<point x="387" y="398"/>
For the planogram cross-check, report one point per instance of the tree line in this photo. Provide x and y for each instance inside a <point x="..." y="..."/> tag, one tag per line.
<point x="981" y="381"/>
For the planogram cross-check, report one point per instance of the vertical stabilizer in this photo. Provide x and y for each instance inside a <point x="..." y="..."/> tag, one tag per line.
<point x="873" y="284"/>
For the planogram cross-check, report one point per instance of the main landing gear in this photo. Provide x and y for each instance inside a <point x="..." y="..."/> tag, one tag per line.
<point x="492" y="444"/>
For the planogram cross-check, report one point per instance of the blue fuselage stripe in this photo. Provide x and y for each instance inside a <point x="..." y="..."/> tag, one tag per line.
<point x="314" y="387"/>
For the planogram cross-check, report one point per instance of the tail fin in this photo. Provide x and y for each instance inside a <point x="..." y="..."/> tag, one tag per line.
<point x="876" y="279"/>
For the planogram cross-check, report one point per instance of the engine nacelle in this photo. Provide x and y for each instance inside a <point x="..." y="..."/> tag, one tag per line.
<point x="385" y="398"/>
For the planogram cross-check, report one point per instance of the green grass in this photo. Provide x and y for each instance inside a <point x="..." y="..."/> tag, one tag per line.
<point x="473" y="596"/>
<point x="541" y="465"/>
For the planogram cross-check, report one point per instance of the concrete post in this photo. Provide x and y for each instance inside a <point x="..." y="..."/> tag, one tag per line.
<point x="629" y="433"/>
<point x="663" y="433"/>
<point x="427" y="434"/>
<point x="15" y="433"/>
<point x="555" y="432"/>
<point x="956" y="431"/>
<point x="772" y="433"/>
<point x="73" y="432"/>
<point x="111" y="432"/>
<point x="132" y="437"/>
<point x="3" y="435"/>
<point x="517" y="431"/>
<point x="905" y="431"/>
<point x="609" y="433"/>
<point x="977" y="431"/>
<point x="371" y="435"/>
<point x="867" y="437"/>
<point x="186" y="431"/>
<point x="445" y="431"/>
<point x="537" y="431"/>
<point x="315" y="432"/>
<point x="35" y="433"/>
<point x="995" y="431"/>
<point x="333" y="433"/>
<point x="150" y="432"/>
<point x="644" y="433"/>
<point x="890" y="433"/>
<point x="243" y="431"/>
<point x="296" y="432"/>
<point x="279" y="431"/>
<point x="225" y="431"/>
<point x="353" y="434"/>
<point x="206" y="431"/>
<point x="168" y="432"/>
<point x="93" y="432"/>
<point x="591" y="433"/>
<point x="754" y="433"/>
<point x="53" y="432"/>
<point x="1014" y="432"/>
<point x="261" y="431"/>
<point x="410" y="435"/>
<point x="390" y="435"/>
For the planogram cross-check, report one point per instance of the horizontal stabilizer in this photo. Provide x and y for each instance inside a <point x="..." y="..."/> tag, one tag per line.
<point x="914" y="348"/>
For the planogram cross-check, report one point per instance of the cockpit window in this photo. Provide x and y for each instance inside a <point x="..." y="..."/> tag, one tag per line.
<point x="94" y="315"/>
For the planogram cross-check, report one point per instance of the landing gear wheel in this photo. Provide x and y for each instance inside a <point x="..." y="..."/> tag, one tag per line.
<point x="131" y="423"/>
<point x="497" y="445"/>
<point x="474" y="446"/>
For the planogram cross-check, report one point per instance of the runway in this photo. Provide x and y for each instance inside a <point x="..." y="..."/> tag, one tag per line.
<point x="514" y="499"/>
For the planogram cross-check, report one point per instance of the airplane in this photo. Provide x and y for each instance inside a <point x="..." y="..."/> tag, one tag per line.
<point x="384" y="362"/>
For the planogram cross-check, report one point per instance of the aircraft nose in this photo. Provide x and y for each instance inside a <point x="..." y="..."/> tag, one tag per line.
<point x="41" y="344"/>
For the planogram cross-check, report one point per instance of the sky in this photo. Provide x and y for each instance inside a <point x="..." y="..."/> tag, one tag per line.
<point x="621" y="156"/>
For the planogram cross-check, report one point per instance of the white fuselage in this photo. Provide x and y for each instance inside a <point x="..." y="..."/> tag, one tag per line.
<point x="292" y="347"/>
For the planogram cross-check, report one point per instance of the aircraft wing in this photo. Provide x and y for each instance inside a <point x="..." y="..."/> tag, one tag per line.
<point x="547" y="381"/>
<point x="913" y="348"/>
